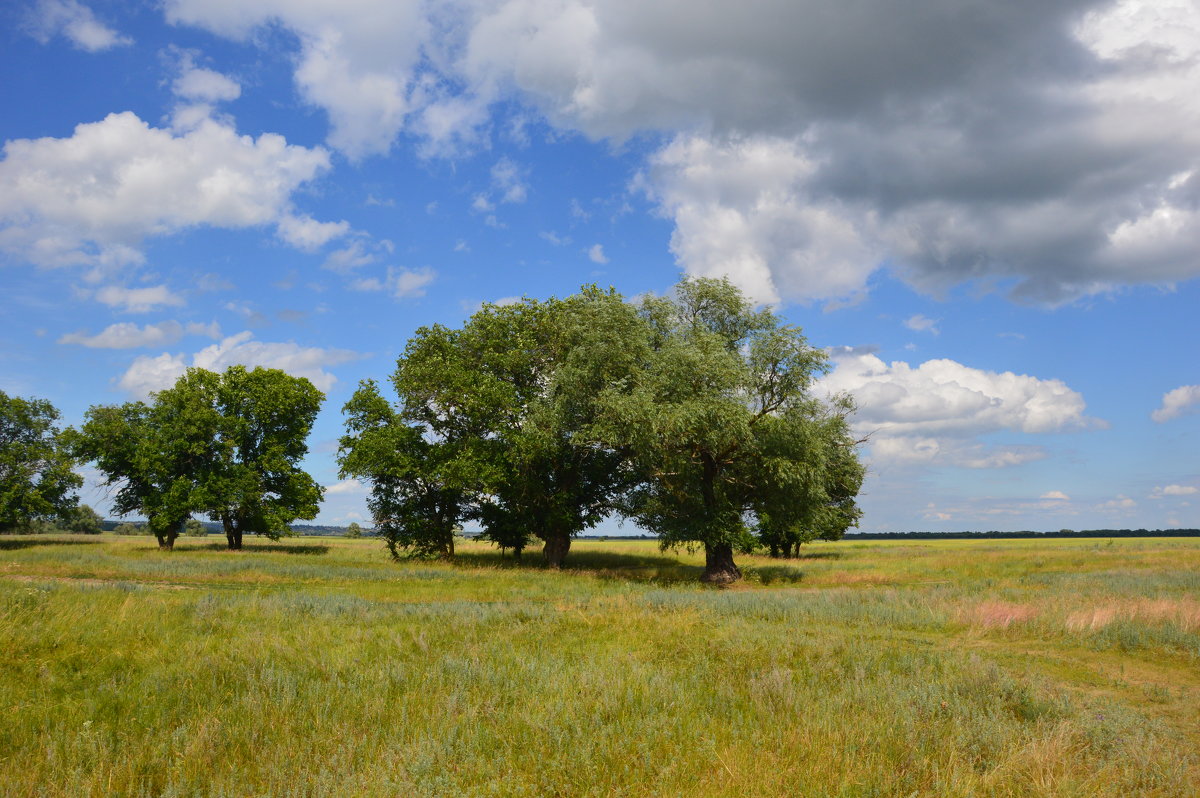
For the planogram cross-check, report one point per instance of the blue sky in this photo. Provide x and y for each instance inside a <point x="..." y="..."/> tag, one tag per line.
<point x="989" y="215"/>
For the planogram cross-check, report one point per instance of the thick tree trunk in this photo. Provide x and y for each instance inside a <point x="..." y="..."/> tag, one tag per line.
<point x="165" y="542"/>
<point x="719" y="568"/>
<point x="556" y="548"/>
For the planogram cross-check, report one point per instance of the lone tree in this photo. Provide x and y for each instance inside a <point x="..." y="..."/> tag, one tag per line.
<point x="721" y="424"/>
<point x="226" y="445"/>
<point x="36" y="480"/>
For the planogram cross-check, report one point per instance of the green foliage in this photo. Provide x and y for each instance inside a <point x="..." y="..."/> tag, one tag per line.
<point x="36" y="480"/>
<point x="354" y="530"/>
<point x="221" y="444"/>
<point x="255" y="483"/>
<point x="195" y="529"/>
<point x="416" y="499"/>
<point x="126" y="528"/>
<point x="84" y="520"/>
<point x="487" y="427"/>
<point x="724" y="432"/>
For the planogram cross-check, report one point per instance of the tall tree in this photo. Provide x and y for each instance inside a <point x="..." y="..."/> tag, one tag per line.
<point x="722" y="427"/>
<point x="36" y="480"/>
<point x="256" y="483"/>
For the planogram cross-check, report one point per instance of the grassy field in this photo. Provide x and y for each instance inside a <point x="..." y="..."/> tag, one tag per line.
<point x="317" y="667"/>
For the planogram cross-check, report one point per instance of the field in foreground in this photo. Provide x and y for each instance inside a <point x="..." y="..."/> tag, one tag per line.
<point x="317" y="667"/>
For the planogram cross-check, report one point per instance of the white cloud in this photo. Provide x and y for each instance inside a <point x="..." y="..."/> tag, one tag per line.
<point x="410" y="282"/>
<point x="596" y="254"/>
<point x="350" y="257"/>
<point x="346" y="486"/>
<point x="306" y="233"/>
<point x="919" y="323"/>
<point x="127" y="335"/>
<point x="741" y="211"/>
<point x="932" y="413"/>
<point x="1165" y="491"/>
<point x="400" y="283"/>
<point x="1045" y="148"/>
<point x="357" y="59"/>
<point x="1119" y="503"/>
<point x="507" y="181"/>
<point x="148" y="374"/>
<point x="93" y="197"/>
<point x="1178" y="402"/>
<point x="76" y="22"/>
<point x="204" y="85"/>
<point x="139" y="300"/>
<point x="946" y="397"/>
<point x="1056" y="495"/>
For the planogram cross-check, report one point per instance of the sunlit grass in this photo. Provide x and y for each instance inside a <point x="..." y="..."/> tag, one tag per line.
<point x="318" y="667"/>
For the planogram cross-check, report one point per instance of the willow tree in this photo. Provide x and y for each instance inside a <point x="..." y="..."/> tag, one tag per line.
<point x="721" y="425"/>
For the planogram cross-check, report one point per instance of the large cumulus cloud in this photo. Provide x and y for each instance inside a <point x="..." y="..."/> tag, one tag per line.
<point x="1049" y="149"/>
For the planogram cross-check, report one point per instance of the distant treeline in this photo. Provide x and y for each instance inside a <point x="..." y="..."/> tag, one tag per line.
<point x="1061" y="533"/>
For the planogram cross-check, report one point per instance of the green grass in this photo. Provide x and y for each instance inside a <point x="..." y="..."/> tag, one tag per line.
<point x="318" y="667"/>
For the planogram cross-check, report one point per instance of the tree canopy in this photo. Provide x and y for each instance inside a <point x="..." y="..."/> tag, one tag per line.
<point x="692" y="414"/>
<point x="724" y="431"/>
<point x="36" y="480"/>
<point x="225" y="445"/>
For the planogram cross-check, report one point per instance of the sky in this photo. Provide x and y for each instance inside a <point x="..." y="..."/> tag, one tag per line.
<point x="987" y="213"/>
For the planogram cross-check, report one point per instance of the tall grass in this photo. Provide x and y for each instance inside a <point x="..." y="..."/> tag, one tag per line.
<point x="957" y="668"/>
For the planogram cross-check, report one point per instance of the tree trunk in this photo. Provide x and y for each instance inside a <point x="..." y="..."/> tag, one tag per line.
<point x="556" y="548"/>
<point x="719" y="568"/>
<point x="165" y="542"/>
<point x="233" y="532"/>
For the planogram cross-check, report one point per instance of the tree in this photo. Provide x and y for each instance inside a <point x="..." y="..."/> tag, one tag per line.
<point x="195" y="529"/>
<point x="83" y="520"/>
<point x="354" y="530"/>
<point x="36" y="480"/>
<point x="722" y="427"/>
<point x="416" y="497"/>
<point x="157" y="456"/>
<point x="225" y="445"/>
<point x="503" y="432"/>
<point x="255" y="483"/>
<point x="126" y="528"/>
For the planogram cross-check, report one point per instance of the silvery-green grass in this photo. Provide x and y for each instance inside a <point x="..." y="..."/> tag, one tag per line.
<point x="319" y="667"/>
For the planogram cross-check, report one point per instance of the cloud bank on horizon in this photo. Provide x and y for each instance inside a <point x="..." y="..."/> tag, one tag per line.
<point x="1031" y="156"/>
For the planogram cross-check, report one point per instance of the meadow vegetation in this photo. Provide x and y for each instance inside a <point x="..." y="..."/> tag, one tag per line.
<point x="320" y="667"/>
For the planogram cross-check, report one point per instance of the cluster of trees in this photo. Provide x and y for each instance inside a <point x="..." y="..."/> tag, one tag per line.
<point x="690" y="414"/>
